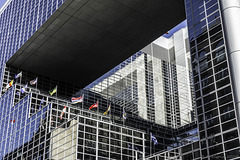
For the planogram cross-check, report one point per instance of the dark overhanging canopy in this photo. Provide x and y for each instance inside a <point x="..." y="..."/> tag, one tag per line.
<point x="84" y="39"/>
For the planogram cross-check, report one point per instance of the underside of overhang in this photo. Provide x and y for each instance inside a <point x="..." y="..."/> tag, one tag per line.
<point x="84" y="39"/>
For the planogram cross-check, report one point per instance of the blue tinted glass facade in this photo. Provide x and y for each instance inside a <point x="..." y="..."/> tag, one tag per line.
<point x="18" y="128"/>
<point x="215" y="106"/>
<point x="18" y="21"/>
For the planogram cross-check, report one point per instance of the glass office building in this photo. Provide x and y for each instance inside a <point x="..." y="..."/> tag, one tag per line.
<point x="19" y="20"/>
<point x="213" y="27"/>
<point x="153" y="87"/>
<point x="85" y="134"/>
<point x="216" y="106"/>
<point x="32" y="132"/>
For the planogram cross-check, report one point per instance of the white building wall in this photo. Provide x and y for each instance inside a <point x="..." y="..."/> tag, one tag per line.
<point x="160" y="115"/>
<point x="142" y="101"/>
<point x="184" y="92"/>
<point x="157" y="52"/>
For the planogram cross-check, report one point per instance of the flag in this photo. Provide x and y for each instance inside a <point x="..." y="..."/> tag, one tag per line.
<point x="107" y="110"/>
<point x="136" y="148"/>
<point x="40" y="104"/>
<point x="24" y="88"/>
<point x="12" y="121"/>
<point x="129" y="146"/>
<point x="18" y="75"/>
<point x="95" y="105"/>
<point x="52" y="121"/>
<point x="154" y="139"/>
<point x="124" y="114"/>
<point x="33" y="109"/>
<point x="63" y="111"/>
<point x="54" y="90"/>
<point x="9" y="84"/>
<point x="77" y="99"/>
<point x="18" y="93"/>
<point x="34" y="81"/>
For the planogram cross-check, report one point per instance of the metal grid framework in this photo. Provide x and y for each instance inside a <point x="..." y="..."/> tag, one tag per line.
<point x="90" y="98"/>
<point x="216" y="112"/>
<point x="42" y="133"/>
<point x="119" y="92"/>
<point x="19" y="21"/>
<point x="143" y="82"/>
<point x="23" y="134"/>
<point x="146" y="86"/>
<point x="88" y="138"/>
<point x="190" y="151"/>
<point x="141" y="89"/>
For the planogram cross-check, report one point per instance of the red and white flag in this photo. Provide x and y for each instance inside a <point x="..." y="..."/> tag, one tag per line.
<point x="63" y="111"/>
<point x="95" y="105"/>
<point x="77" y="99"/>
<point x="12" y="121"/>
<point x="32" y="82"/>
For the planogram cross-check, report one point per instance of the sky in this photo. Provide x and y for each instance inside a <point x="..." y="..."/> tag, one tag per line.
<point x="183" y="24"/>
<point x="2" y="3"/>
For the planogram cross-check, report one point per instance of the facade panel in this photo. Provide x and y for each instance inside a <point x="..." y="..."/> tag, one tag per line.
<point x="216" y="110"/>
<point x="153" y="87"/>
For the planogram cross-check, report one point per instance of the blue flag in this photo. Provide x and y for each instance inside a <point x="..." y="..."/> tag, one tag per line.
<point x="129" y="146"/>
<point x="24" y="88"/>
<point x="154" y="139"/>
<point x="18" y="75"/>
<point x="32" y="82"/>
<point x="40" y="104"/>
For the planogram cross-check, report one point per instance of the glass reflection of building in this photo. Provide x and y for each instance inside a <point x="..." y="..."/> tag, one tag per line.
<point x="156" y="82"/>
<point x="154" y="86"/>
<point x="30" y="132"/>
<point x="81" y="134"/>
<point x="213" y="27"/>
<point x="216" y="111"/>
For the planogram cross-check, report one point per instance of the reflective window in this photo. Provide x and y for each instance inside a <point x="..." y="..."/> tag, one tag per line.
<point x="214" y="140"/>
<point x="215" y="149"/>
<point x="230" y="135"/>
<point x="224" y="91"/>
<point x="226" y="108"/>
<point x="223" y="82"/>
<point x="231" y="144"/>
<point x="203" y="52"/>
<point x="212" y="9"/>
<point x="229" y="125"/>
<point x="227" y="116"/>
<point x="202" y="45"/>
<point x="217" y="44"/>
<point x="209" y="98"/>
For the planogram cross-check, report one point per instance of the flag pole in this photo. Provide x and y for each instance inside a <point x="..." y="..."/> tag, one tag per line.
<point x="97" y="108"/>
<point x="20" y="80"/>
<point x="36" y="83"/>
<point x="136" y="154"/>
<point x="110" y="113"/>
<point x="150" y="143"/>
<point x="82" y="101"/>
<point x="56" y="90"/>
<point x="123" y="116"/>
<point x="20" y="87"/>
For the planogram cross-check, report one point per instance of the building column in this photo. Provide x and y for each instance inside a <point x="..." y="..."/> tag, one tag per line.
<point x="230" y="10"/>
